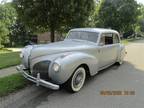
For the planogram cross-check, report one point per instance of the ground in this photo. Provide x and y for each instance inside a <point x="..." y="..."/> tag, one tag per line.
<point x="127" y="77"/>
<point x="8" y="71"/>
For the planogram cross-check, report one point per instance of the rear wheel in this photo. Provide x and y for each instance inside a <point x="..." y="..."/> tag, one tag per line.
<point x="120" y="61"/>
<point x="77" y="80"/>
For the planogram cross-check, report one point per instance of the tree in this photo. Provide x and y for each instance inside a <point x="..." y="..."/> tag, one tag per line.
<point x="117" y="14"/>
<point x="140" y="22"/>
<point x="53" y="14"/>
<point x="19" y="35"/>
<point x="7" y="18"/>
<point x="3" y="34"/>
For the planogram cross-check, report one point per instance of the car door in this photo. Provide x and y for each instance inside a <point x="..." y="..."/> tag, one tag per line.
<point x="107" y="49"/>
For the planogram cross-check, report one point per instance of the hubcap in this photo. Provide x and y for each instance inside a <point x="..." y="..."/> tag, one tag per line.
<point x="78" y="79"/>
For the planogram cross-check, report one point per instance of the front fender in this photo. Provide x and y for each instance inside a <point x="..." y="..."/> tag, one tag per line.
<point x="70" y="62"/>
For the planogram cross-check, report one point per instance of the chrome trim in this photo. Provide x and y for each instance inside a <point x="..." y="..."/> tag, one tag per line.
<point x="37" y="80"/>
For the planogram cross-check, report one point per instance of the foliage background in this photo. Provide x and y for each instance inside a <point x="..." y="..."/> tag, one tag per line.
<point x="21" y="19"/>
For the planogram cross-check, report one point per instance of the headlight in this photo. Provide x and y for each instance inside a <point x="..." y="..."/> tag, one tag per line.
<point x="56" y="67"/>
<point x="21" y="55"/>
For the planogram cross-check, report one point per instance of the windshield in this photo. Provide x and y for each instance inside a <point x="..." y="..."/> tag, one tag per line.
<point x="83" y="35"/>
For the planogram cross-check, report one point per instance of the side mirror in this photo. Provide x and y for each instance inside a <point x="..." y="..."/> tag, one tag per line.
<point x="101" y="44"/>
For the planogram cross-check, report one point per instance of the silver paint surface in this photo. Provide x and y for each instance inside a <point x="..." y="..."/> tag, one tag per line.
<point x="71" y="53"/>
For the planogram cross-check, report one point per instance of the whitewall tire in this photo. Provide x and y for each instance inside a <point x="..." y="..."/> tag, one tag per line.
<point x="77" y="80"/>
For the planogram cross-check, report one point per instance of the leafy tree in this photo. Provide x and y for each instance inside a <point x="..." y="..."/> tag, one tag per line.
<point x="19" y="34"/>
<point x="7" y="18"/>
<point x="117" y="14"/>
<point x="140" y="24"/>
<point x="54" y="15"/>
<point x="3" y="34"/>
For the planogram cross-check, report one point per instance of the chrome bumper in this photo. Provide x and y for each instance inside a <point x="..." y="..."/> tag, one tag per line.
<point x="37" y="80"/>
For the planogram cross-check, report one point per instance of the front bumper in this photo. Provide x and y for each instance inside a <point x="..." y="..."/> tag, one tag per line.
<point x="37" y="80"/>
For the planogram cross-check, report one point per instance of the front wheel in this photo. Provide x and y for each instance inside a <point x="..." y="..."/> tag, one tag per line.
<point x="76" y="82"/>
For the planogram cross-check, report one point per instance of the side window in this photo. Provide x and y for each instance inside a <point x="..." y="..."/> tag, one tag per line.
<point x="106" y="39"/>
<point x="115" y="38"/>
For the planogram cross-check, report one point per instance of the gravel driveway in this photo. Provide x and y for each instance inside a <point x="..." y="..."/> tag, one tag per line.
<point x="127" y="77"/>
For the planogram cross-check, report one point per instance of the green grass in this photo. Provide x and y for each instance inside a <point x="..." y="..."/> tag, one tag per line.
<point x="9" y="59"/>
<point x="3" y="50"/>
<point x="11" y="84"/>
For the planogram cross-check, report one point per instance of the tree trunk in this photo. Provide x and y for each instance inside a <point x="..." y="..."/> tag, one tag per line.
<point x="52" y="35"/>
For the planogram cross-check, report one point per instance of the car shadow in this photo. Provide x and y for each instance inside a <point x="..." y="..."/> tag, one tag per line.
<point x="126" y="69"/>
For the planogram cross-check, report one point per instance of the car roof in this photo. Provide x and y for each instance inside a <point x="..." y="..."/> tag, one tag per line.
<point x="99" y="30"/>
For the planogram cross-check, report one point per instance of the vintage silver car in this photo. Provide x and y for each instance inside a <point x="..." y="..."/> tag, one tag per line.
<point x="84" y="52"/>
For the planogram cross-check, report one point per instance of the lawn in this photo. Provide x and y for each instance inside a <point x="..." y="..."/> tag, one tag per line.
<point x="11" y="84"/>
<point x="8" y="58"/>
<point x="3" y="50"/>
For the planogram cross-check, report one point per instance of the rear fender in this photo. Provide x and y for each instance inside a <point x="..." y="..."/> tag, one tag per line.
<point x="121" y="53"/>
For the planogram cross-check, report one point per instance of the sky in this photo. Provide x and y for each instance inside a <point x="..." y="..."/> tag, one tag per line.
<point x="5" y="0"/>
<point x="139" y="1"/>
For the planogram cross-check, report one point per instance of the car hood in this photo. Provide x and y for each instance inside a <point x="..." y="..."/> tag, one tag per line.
<point x="59" y="47"/>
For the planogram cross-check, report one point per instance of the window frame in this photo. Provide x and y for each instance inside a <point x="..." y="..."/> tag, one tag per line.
<point x="104" y="35"/>
<point x="116" y="35"/>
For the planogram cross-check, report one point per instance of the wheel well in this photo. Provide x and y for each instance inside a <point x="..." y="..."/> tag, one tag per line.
<point x="85" y="66"/>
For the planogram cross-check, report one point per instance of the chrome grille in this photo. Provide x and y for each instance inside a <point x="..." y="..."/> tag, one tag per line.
<point x="42" y="68"/>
